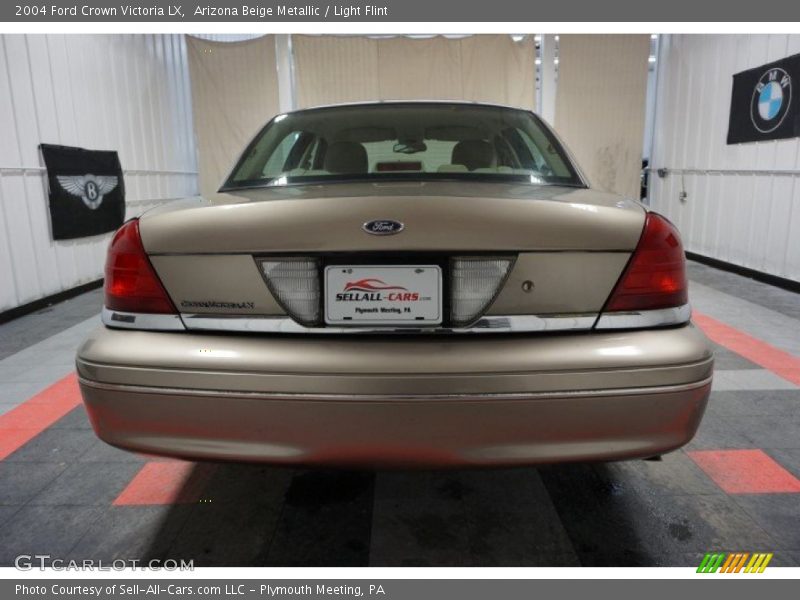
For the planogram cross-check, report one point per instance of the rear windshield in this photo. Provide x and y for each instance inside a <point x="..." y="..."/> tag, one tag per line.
<point x="403" y="141"/>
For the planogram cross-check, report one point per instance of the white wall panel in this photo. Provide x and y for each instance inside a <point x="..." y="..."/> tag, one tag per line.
<point x="743" y="200"/>
<point x="128" y="93"/>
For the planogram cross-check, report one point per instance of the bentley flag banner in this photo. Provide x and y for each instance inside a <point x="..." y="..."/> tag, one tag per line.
<point x="764" y="103"/>
<point x="87" y="194"/>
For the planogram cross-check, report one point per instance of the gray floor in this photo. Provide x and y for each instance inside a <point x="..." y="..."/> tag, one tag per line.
<point x="773" y="298"/>
<point x="20" y="333"/>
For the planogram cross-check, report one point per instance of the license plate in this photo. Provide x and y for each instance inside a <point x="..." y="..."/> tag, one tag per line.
<point x="383" y="295"/>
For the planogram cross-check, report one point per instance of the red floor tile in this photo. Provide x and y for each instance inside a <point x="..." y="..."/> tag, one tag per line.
<point x="761" y="353"/>
<point x="745" y="472"/>
<point x="21" y="424"/>
<point x="166" y="482"/>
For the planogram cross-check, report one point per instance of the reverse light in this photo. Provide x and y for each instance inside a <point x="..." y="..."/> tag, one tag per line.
<point x="294" y="282"/>
<point x="655" y="277"/>
<point x="131" y="283"/>
<point x="474" y="283"/>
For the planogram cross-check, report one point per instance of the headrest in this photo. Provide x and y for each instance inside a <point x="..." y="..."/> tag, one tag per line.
<point x="473" y="154"/>
<point x="346" y="157"/>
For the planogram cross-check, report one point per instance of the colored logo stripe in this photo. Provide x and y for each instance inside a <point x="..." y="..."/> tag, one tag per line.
<point x="710" y="563"/>
<point x="758" y="563"/>
<point x="734" y="562"/>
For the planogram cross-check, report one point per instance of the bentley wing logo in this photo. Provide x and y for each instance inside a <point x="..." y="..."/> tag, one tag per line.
<point x="89" y="188"/>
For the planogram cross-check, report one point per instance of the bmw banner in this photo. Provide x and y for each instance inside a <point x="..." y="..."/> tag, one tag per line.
<point x="87" y="194"/>
<point x="764" y="103"/>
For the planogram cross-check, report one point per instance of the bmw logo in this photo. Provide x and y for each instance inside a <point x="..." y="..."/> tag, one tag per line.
<point x="771" y="99"/>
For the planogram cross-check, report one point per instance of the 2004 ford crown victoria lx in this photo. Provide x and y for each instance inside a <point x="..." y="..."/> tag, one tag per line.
<point x="398" y="284"/>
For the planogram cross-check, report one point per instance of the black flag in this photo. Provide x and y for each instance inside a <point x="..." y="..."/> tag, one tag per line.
<point x="765" y="103"/>
<point x="87" y="193"/>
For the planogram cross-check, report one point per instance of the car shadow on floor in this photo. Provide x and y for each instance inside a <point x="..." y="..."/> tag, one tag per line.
<point x="633" y="513"/>
<point x="251" y="515"/>
<point x="565" y="515"/>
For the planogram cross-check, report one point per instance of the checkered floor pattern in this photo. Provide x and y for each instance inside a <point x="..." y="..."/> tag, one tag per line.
<point x="736" y="487"/>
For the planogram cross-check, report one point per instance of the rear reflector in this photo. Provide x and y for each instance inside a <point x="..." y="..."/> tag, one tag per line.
<point x="656" y="274"/>
<point x="294" y="282"/>
<point x="474" y="284"/>
<point x="131" y="283"/>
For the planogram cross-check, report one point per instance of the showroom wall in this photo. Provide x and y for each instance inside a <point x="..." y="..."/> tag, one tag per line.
<point x="600" y="106"/>
<point x="234" y="93"/>
<point x="742" y="201"/>
<point x="483" y="68"/>
<point x="128" y="93"/>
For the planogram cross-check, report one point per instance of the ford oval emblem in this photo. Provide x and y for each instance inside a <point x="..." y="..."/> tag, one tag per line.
<point x="383" y="227"/>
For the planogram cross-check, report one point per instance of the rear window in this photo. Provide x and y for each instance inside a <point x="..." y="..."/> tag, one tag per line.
<point x="404" y="141"/>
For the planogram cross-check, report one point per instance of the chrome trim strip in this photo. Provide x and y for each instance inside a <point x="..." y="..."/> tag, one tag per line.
<point x="486" y="324"/>
<point x="142" y="321"/>
<point x="663" y="389"/>
<point x="645" y="318"/>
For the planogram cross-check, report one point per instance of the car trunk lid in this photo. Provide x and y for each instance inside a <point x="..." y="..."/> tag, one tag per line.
<point x="532" y="251"/>
<point x="436" y="217"/>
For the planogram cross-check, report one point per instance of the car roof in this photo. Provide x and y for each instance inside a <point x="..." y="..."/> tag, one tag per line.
<point x="407" y="102"/>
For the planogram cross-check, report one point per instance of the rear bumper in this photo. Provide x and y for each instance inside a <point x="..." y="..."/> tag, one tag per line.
<point x="402" y="402"/>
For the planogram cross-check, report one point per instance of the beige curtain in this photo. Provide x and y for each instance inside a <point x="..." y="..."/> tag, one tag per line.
<point x="334" y="69"/>
<point x="234" y="93"/>
<point x="486" y="68"/>
<point x="600" y="106"/>
<point x="495" y="68"/>
<point x="419" y="69"/>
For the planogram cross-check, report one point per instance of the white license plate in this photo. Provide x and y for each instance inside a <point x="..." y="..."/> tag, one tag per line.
<point x="383" y="295"/>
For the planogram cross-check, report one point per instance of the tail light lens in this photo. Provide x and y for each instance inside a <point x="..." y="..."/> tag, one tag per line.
<point x="656" y="274"/>
<point x="131" y="283"/>
<point x="475" y="283"/>
<point x="294" y="282"/>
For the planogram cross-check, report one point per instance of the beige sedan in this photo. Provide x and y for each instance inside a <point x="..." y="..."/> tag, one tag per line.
<point x="395" y="285"/>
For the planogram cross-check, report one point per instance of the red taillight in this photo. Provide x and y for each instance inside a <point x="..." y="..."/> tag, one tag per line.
<point x="656" y="274"/>
<point x="131" y="284"/>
